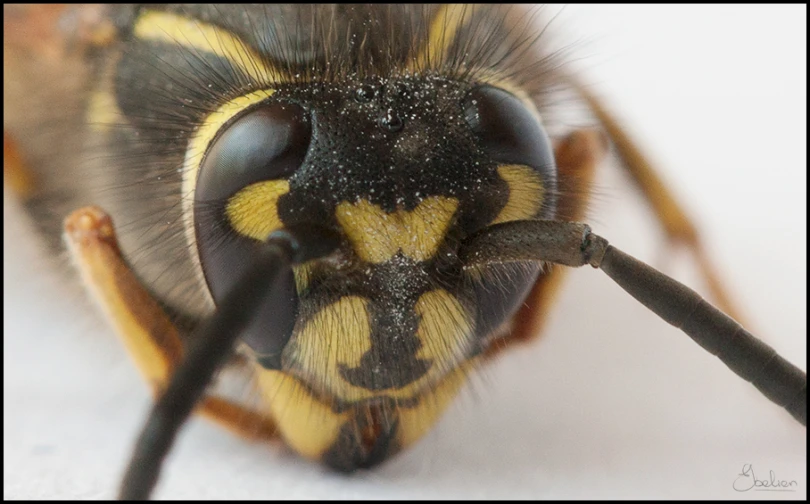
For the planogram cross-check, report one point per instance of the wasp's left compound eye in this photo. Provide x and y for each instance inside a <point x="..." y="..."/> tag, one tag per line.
<point x="508" y="132"/>
<point x="243" y="174"/>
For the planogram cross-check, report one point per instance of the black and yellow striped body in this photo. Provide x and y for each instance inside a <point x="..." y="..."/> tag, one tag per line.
<point x="404" y="128"/>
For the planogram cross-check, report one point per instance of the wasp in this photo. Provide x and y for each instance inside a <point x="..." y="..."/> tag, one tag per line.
<point x="390" y="136"/>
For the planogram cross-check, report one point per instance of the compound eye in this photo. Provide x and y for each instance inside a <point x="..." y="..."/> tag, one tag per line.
<point x="509" y="133"/>
<point x="241" y="178"/>
<point x="267" y="143"/>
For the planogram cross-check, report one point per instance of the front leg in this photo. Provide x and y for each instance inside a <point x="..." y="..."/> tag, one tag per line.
<point x="149" y="336"/>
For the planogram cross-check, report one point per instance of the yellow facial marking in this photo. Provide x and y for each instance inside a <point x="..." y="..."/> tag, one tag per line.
<point x="253" y="211"/>
<point x="311" y="427"/>
<point x="339" y="334"/>
<point x="415" y="422"/>
<point x="525" y="193"/>
<point x="446" y="24"/>
<point x="198" y="36"/>
<point x="377" y="236"/>
<point x="444" y="329"/>
<point x="307" y="425"/>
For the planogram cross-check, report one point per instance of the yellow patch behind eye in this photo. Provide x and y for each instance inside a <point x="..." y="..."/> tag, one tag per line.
<point x="253" y="211"/>
<point x="193" y="34"/>
<point x="377" y="236"/>
<point x="309" y="426"/>
<point x="525" y="193"/>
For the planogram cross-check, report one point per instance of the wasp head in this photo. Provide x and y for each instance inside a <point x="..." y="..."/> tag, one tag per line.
<point x="359" y="353"/>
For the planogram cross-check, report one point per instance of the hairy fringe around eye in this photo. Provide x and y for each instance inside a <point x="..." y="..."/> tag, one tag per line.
<point x="162" y="89"/>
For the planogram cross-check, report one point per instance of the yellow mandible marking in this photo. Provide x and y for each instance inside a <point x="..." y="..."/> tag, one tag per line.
<point x="173" y="28"/>
<point x="311" y="427"/>
<point x="444" y="329"/>
<point x="377" y="236"/>
<point x="306" y="424"/>
<point x="417" y="421"/>
<point x="525" y="193"/>
<point x="339" y="334"/>
<point x="447" y="22"/>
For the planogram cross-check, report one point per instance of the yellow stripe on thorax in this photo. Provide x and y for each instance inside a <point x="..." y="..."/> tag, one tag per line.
<point x="168" y="27"/>
<point x="446" y="24"/>
<point x="377" y="236"/>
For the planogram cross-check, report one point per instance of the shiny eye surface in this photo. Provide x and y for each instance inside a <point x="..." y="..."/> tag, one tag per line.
<point x="509" y="133"/>
<point x="265" y="145"/>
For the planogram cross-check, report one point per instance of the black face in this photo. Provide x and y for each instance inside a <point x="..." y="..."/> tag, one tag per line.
<point x="356" y="158"/>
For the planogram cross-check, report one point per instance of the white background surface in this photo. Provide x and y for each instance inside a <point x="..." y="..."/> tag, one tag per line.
<point x="610" y="403"/>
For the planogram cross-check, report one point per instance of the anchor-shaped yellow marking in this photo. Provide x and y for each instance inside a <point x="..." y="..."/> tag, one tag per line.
<point x="377" y="236"/>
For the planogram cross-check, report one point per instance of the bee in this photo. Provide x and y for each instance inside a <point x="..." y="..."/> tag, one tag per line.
<point x="126" y="191"/>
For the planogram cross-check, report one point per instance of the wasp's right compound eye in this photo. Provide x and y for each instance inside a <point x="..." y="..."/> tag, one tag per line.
<point x="269" y="142"/>
<point x="242" y="176"/>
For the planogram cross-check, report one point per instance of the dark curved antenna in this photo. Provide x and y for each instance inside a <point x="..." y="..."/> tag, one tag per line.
<point x="566" y="243"/>
<point x="212" y="346"/>
<point x="573" y="244"/>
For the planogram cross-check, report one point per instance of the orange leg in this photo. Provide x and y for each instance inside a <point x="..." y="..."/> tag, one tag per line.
<point x="678" y="227"/>
<point x="147" y="333"/>
<point x="577" y="156"/>
<point x="15" y="173"/>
